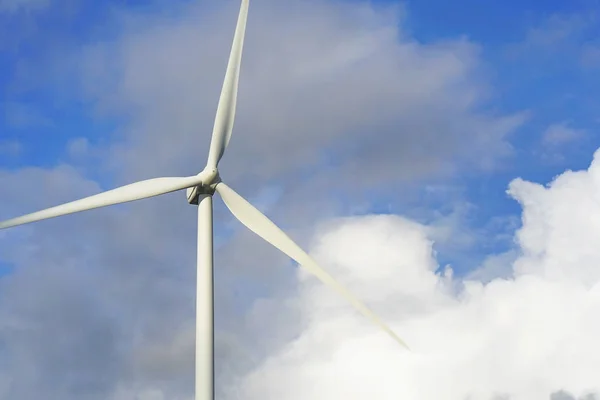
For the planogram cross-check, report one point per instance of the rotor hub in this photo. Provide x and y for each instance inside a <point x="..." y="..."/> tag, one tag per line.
<point x="210" y="179"/>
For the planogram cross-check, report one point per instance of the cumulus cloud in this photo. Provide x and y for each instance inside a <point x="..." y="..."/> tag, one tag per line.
<point x="528" y="336"/>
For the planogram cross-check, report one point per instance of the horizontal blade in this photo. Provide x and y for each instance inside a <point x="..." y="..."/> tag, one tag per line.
<point x="135" y="191"/>
<point x="265" y="228"/>
<point x="227" y="102"/>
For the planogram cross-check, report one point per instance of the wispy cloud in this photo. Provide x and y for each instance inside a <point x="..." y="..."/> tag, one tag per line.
<point x="21" y="115"/>
<point x="13" y="6"/>
<point x="10" y="148"/>
<point x="590" y="56"/>
<point x="560" y="134"/>
<point x="553" y="33"/>
<point x="359" y="92"/>
<point x="558" y="139"/>
<point x="559" y="41"/>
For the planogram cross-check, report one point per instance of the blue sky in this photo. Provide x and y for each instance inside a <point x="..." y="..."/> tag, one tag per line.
<point x="42" y="113"/>
<point x="89" y="99"/>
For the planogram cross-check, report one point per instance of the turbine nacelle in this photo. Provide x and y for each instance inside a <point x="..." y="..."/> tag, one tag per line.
<point x="210" y="178"/>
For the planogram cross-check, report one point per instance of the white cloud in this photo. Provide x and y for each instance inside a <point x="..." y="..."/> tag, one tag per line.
<point x="528" y="337"/>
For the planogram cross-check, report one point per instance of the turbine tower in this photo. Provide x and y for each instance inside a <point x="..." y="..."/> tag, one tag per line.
<point x="200" y="189"/>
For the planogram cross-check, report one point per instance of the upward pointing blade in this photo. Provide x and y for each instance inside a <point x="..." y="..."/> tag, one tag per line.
<point x="257" y="222"/>
<point x="135" y="191"/>
<point x="227" y="102"/>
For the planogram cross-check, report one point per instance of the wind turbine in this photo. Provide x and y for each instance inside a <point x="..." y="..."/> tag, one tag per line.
<point x="200" y="189"/>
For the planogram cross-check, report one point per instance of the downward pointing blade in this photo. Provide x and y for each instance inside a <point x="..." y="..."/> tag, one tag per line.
<point x="135" y="191"/>
<point x="257" y="222"/>
<point x="227" y="102"/>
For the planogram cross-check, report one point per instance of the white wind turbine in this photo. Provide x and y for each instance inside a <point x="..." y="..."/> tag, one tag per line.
<point x="200" y="189"/>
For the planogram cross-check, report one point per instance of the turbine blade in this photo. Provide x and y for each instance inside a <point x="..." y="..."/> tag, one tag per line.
<point x="227" y="102"/>
<point x="257" y="222"/>
<point x="135" y="191"/>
